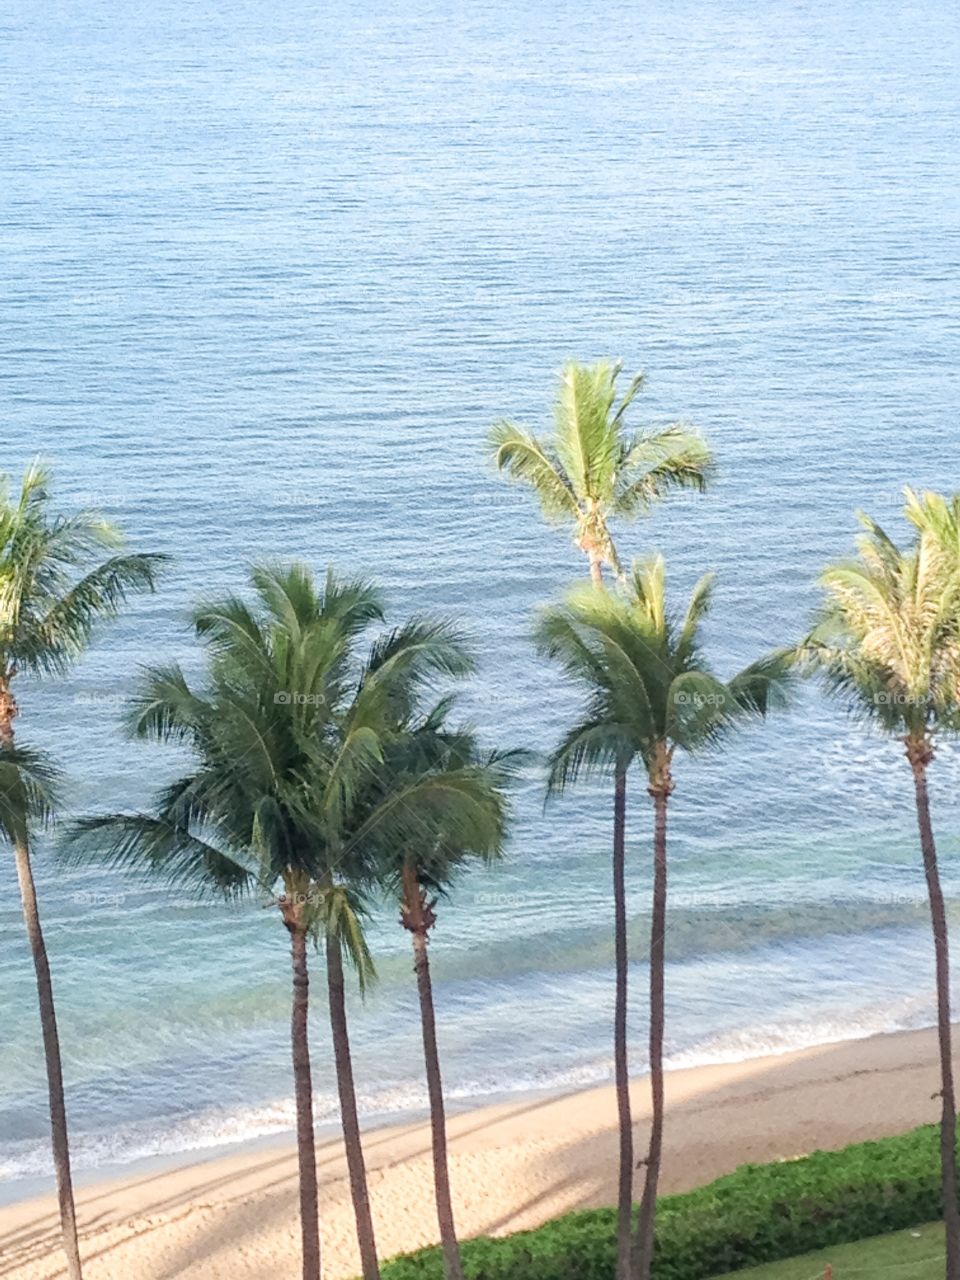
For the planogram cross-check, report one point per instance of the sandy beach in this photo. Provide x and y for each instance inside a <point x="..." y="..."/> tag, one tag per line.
<point x="513" y="1166"/>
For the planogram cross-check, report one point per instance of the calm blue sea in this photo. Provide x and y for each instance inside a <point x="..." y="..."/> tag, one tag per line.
<point x="268" y="273"/>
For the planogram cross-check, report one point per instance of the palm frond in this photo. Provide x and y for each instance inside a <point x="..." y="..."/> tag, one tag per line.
<point x="586" y="432"/>
<point x="163" y="707"/>
<point x="637" y="383"/>
<point x="525" y="459"/>
<point x="590" y="749"/>
<point x="337" y="912"/>
<point x="63" y="632"/>
<point x="182" y="859"/>
<point x="649" y="582"/>
<point x="937" y="516"/>
<point x="408" y="661"/>
<point x="440" y="803"/>
<point x="651" y="465"/>
<point x="352" y="603"/>
<point x="29" y="792"/>
<point x="562" y="636"/>
<point x="230" y="623"/>
<point x="698" y="606"/>
<point x="766" y="684"/>
<point x="360" y="751"/>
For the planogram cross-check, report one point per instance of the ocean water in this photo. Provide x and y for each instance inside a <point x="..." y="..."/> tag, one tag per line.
<point x="268" y="273"/>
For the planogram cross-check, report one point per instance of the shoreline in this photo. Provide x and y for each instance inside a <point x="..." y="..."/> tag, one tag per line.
<point x="232" y="1212"/>
<point x="31" y="1186"/>
<point x="14" y="1191"/>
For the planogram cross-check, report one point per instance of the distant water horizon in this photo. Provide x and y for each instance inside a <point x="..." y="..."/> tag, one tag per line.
<point x="268" y="278"/>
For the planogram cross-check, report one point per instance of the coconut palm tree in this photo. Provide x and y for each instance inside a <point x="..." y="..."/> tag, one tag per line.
<point x="330" y="739"/>
<point x="384" y="807"/>
<point x="284" y="732"/>
<point x="593" y="470"/>
<point x="460" y="818"/>
<point x="56" y="586"/>
<point x="649" y="692"/>
<point x="888" y="646"/>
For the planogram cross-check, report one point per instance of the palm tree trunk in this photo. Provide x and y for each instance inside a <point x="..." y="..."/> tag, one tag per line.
<point x="51" y="1051"/>
<point x="48" y="1016"/>
<point x="648" y="1202"/>
<point x="418" y="922"/>
<point x="621" y="1065"/>
<point x="303" y="1091"/>
<point x="596" y="569"/>
<point x="348" y="1112"/>
<point x="948" y="1118"/>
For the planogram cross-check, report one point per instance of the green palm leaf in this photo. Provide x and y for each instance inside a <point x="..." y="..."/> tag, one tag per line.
<point x="586" y="430"/>
<point x="53" y="592"/>
<point x="337" y="911"/>
<point x="651" y="465"/>
<point x="29" y="792"/>
<point x="525" y="459"/>
<point x="179" y="857"/>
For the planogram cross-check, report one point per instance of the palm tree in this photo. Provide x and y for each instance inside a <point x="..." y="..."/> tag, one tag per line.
<point x="54" y="590"/>
<point x="593" y="470"/>
<point x="888" y="645"/>
<point x="649" y="692"/>
<point x="460" y="817"/>
<point x="302" y="646"/>
<point x="285" y="734"/>
<point x="352" y="832"/>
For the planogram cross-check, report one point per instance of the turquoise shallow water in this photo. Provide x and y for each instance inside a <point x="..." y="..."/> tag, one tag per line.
<point x="267" y="276"/>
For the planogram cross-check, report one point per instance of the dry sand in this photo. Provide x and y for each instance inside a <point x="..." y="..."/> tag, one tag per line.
<point x="513" y="1166"/>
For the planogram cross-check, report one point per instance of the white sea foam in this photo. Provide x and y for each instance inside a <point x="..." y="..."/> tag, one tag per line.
<point x="219" y="1127"/>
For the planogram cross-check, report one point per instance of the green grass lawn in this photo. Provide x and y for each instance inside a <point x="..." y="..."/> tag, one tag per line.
<point x="904" y="1255"/>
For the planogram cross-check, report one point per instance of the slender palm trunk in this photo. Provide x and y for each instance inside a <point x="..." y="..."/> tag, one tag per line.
<point x="621" y="1065"/>
<point x="51" y="1052"/>
<point x="948" y="1117"/>
<point x="648" y="1202"/>
<point x="596" y="569"/>
<point x="303" y="1091"/>
<point x="418" y="918"/>
<point x="348" y="1112"/>
<point x="48" y="1020"/>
